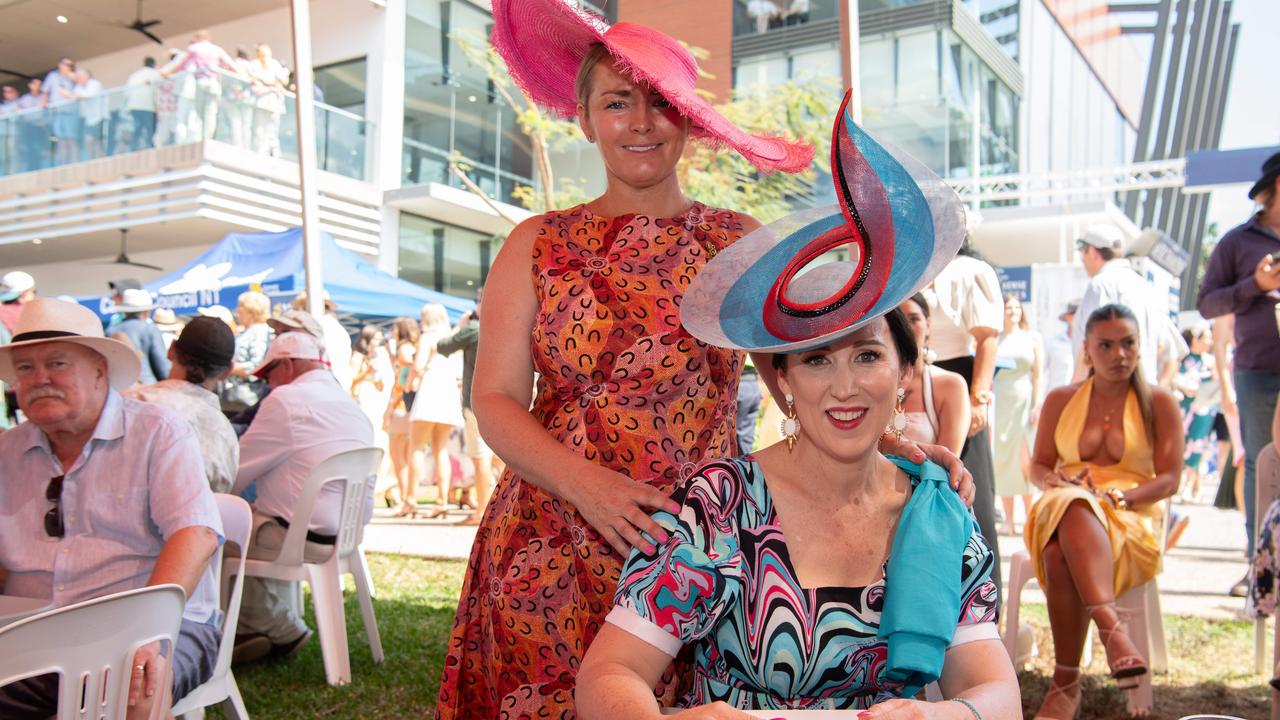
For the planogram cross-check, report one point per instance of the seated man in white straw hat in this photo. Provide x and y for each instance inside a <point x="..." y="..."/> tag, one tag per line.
<point x="137" y="329"/>
<point x="101" y="494"/>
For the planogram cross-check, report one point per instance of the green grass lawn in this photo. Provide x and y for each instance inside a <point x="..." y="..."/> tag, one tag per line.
<point x="1210" y="662"/>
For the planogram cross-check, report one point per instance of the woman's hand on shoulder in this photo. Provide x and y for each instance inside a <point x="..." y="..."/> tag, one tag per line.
<point x="618" y="508"/>
<point x="960" y="478"/>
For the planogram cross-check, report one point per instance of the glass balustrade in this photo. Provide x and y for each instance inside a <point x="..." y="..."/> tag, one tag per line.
<point x="423" y="163"/>
<point x="180" y="109"/>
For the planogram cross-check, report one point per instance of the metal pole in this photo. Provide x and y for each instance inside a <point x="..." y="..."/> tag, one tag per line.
<point x="1140" y="150"/>
<point x="1190" y="109"/>
<point x="1172" y="79"/>
<point x="305" y="105"/>
<point x="853" y="23"/>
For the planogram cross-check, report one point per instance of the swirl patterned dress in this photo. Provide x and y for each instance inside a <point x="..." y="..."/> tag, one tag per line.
<point x="622" y="384"/>
<point x="725" y="584"/>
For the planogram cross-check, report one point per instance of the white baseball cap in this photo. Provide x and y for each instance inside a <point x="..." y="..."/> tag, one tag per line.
<point x="1105" y="236"/>
<point x="14" y="283"/>
<point x="294" y="345"/>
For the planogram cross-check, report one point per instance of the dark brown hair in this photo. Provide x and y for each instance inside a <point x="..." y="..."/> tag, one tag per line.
<point x="904" y="341"/>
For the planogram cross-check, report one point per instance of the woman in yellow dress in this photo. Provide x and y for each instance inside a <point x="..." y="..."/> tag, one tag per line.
<point x="1108" y="452"/>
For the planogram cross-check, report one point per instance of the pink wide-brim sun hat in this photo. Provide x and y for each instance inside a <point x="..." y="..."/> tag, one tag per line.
<point x="544" y="41"/>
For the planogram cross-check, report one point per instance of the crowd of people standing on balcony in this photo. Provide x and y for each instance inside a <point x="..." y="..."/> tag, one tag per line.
<point x="68" y="117"/>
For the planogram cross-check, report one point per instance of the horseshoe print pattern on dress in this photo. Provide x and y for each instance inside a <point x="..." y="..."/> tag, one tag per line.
<point x="622" y="384"/>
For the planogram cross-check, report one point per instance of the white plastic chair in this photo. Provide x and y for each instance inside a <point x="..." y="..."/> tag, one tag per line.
<point x="355" y="470"/>
<point x="1140" y="606"/>
<point x="237" y="521"/>
<point x="91" y="645"/>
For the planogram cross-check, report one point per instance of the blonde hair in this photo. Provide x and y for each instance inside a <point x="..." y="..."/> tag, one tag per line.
<point x="1024" y="322"/>
<point x="582" y="84"/>
<point x="434" y="318"/>
<point x="256" y="305"/>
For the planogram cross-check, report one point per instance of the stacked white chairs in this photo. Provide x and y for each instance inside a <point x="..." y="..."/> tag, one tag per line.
<point x="355" y="471"/>
<point x="237" y="521"/>
<point x="91" y="646"/>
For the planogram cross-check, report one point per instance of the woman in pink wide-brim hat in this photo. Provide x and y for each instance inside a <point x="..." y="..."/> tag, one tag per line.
<point x="627" y="402"/>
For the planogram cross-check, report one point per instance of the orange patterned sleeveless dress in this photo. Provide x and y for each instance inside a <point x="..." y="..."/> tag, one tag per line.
<point x="622" y="384"/>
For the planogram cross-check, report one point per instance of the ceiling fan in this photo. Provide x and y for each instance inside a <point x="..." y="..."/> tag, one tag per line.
<point x="144" y="26"/>
<point x="123" y="257"/>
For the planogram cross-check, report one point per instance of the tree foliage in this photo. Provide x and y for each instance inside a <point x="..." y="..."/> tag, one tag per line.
<point x="712" y="174"/>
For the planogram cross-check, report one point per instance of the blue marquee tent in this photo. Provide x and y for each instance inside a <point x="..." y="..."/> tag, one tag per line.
<point x="273" y="261"/>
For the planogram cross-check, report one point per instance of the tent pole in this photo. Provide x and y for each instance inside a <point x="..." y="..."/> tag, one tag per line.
<point x="306" y="115"/>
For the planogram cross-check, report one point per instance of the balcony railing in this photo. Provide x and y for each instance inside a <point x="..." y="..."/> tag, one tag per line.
<point x="424" y="163"/>
<point x="177" y="110"/>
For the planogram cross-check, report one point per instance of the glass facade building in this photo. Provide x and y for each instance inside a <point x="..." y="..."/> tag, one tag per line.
<point x="443" y="257"/>
<point x="925" y="86"/>
<point x="451" y="108"/>
<point x="929" y="93"/>
<point x="453" y="112"/>
<point x="1078" y="122"/>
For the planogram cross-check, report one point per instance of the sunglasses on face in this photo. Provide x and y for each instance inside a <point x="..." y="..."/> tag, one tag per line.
<point x="53" y="526"/>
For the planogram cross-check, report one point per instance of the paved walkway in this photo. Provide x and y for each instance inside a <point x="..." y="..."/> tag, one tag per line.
<point x="1208" y="560"/>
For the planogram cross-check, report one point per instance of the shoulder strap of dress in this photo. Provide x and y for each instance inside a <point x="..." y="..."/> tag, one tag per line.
<point x="926" y="398"/>
<point x="1071" y="422"/>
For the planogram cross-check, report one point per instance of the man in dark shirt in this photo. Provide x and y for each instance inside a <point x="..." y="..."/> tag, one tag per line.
<point x="467" y="339"/>
<point x="1243" y="280"/>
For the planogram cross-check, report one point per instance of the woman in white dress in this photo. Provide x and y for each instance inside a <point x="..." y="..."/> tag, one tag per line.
<point x="937" y="401"/>
<point x="437" y="407"/>
<point x="269" y="81"/>
<point x="1019" y="391"/>
<point x="371" y="379"/>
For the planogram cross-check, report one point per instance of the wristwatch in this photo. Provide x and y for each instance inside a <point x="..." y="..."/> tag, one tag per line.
<point x="1118" y="499"/>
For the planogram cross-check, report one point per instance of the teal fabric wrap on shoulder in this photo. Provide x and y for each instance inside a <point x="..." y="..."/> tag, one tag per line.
<point x="923" y="578"/>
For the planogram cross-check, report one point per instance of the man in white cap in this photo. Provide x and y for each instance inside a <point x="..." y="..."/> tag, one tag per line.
<point x="1112" y="280"/>
<point x="75" y="525"/>
<point x="305" y="419"/>
<point x="17" y="288"/>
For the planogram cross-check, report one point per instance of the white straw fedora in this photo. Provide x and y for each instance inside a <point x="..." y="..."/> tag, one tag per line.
<point x="134" y="300"/>
<point x="46" y="320"/>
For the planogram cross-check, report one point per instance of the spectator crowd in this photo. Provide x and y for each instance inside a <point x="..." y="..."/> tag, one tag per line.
<point x="67" y="116"/>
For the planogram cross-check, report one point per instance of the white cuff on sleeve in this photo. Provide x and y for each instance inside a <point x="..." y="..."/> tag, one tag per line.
<point x="631" y="621"/>
<point x="972" y="632"/>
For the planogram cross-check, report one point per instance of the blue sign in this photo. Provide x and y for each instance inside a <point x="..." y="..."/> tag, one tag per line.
<point x="1015" y="281"/>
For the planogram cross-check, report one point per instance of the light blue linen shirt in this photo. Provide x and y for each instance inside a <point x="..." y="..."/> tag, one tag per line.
<point x="139" y="480"/>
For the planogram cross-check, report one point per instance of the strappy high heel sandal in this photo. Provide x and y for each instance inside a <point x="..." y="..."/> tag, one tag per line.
<point x="1062" y="702"/>
<point x="1122" y="655"/>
